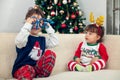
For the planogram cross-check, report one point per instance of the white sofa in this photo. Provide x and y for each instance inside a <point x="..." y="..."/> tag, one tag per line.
<point x="64" y="51"/>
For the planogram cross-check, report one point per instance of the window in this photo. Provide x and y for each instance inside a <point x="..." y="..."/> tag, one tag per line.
<point x="113" y="17"/>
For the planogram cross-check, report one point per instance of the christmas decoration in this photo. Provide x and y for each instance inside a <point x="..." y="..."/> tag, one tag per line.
<point x="63" y="25"/>
<point x="92" y="18"/>
<point x="73" y="16"/>
<point x="99" y="20"/>
<point x="53" y="13"/>
<point x="66" y="15"/>
<point x="55" y="1"/>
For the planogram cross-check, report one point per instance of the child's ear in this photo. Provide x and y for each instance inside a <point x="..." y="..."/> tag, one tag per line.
<point x="98" y="37"/>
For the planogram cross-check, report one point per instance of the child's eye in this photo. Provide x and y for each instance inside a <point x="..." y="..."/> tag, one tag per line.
<point x="90" y="33"/>
<point x="87" y="32"/>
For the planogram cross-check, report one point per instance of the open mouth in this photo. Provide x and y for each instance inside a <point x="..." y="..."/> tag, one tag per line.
<point x="86" y="38"/>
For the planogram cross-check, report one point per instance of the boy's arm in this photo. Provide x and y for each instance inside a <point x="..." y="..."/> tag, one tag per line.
<point x="52" y="40"/>
<point x="22" y="37"/>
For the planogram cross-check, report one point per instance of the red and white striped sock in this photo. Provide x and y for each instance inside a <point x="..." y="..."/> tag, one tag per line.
<point x="99" y="64"/>
<point x="71" y="65"/>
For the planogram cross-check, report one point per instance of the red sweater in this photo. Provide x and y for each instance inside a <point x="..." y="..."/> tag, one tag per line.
<point x="102" y="51"/>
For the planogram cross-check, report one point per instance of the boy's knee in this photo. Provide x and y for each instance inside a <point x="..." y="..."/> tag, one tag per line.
<point x="50" y="53"/>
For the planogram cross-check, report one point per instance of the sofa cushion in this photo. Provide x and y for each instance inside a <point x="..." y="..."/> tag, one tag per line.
<point x="112" y="43"/>
<point x="96" y="75"/>
<point x="68" y="43"/>
<point x="7" y="54"/>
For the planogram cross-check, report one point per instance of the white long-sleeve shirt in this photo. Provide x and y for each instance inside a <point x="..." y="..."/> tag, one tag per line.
<point x="22" y="37"/>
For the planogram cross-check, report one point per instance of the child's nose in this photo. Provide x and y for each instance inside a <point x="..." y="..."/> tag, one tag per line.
<point x="87" y="34"/>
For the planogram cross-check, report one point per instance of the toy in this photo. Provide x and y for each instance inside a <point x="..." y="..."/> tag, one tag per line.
<point x="42" y="23"/>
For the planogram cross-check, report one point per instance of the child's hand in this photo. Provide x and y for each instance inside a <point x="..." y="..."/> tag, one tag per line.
<point x="93" y="60"/>
<point x="78" y="60"/>
<point x="44" y="24"/>
<point x="30" y="20"/>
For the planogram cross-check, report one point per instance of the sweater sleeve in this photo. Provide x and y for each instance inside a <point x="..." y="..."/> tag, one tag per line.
<point x="51" y="40"/>
<point x="78" y="51"/>
<point x="103" y="52"/>
<point x="22" y="37"/>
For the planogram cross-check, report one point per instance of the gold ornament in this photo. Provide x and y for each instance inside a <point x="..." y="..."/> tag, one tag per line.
<point x="80" y="13"/>
<point x="61" y="11"/>
<point x="48" y="17"/>
<point x="55" y="1"/>
<point x="80" y="24"/>
<point x="64" y="1"/>
<point x="75" y="4"/>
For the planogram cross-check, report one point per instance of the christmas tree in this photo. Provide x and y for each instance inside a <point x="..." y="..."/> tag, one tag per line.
<point x="66" y="15"/>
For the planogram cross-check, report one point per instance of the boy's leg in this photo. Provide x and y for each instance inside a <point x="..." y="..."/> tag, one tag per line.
<point x="26" y="72"/>
<point x="45" y="64"/>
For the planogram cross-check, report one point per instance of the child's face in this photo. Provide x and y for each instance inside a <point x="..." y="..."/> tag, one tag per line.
<point x="91" y="37"/>
<point x="35" y="31"/>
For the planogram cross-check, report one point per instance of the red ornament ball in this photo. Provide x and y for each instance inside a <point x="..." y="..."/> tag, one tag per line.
<point x="63" y="25"/>
<point x="59" y="4"/>
<point x="73" y="16"/>
<point x="52" y="13"/>
<point x="77" y="12"/>
<point x="75" y="28"/>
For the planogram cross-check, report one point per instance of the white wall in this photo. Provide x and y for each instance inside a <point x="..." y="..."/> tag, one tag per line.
<point x="98" y="7"/>
<point x="12" y="12"/>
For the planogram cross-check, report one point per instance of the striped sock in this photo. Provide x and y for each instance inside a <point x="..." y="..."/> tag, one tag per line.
<point x="99" y="64"/>
<point x="71" y="65"/>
